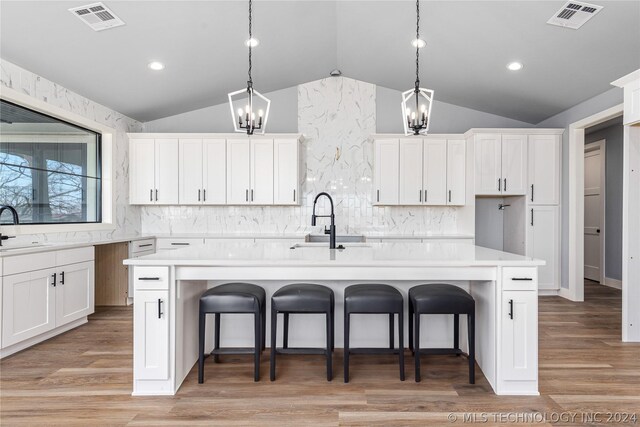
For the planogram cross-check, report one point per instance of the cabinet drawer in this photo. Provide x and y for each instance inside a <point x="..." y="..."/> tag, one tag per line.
<point x="167" y="244"/>
<point x="143" y="245"/>
<point x="151" y="278"/>
<point x="519" y="279"/>
<point x="31" y="262"/>
<point x="74" y="256"/>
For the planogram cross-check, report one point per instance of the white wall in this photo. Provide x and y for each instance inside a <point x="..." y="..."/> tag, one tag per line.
<point x="127" y="217"/>
<point x="585" y="109"/>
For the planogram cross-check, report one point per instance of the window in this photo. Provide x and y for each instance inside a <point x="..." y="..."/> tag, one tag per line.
<point x="50" y="170"/>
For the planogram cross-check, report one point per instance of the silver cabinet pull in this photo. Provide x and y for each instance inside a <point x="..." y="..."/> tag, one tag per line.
<point x="198" y="195"/>
<point x="505" y="184"/>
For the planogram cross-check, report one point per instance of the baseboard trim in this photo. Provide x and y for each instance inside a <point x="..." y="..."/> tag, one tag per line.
<point x="613" y="283"/>
<point x="23" y="345"/>
<point x="548" y="292"/>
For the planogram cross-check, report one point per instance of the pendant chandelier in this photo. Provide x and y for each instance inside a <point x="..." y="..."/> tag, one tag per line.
<point x="245" y="103"/>
<point x="416" y="121"/>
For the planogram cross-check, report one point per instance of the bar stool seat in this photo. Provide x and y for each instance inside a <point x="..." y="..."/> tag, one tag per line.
<point x="374" y="299"/>
<point x="302" y="298"/>
<point x="235" y="298"/>
<point x="441" y="298"/>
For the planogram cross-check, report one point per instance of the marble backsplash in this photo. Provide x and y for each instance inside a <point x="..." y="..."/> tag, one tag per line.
<point x="337" y="117"/>
<point x="127" y="217"/>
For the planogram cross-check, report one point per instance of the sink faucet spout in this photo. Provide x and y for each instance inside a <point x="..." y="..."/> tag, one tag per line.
<point x="331" y="231"/>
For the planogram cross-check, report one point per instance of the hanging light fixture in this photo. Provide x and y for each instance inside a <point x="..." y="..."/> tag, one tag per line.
<point x="417" y="121"/>
<point x="244" y="103"/>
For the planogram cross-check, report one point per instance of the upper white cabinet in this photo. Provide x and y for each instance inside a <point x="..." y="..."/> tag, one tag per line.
<point x="544" y="169"/>
<point x="203" y="174"/>
<point x="238" y="171"/>
<point x="261" y="172"/>
<point x="153" y="171"/>
<point x="386" y="171"/>
<point x="285" y="171"/>
<point x="631" y="85"/>
<point x="415" y="171"/>
<point x="250" y="171"/>
<point x="500" y="161"/>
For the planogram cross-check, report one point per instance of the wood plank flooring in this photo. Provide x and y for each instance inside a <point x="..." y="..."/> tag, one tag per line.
<point x="83" y="377"/>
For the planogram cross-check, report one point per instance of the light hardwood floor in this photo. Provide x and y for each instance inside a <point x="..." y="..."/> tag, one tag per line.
<point x="83" y="377"/>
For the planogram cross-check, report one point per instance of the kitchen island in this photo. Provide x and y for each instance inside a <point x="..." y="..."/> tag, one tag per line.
<point x="168" y="286"/>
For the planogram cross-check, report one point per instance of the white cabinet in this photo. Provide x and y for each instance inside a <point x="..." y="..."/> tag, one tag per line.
<point x="153" y="166"/>
<point x="285" y="172"/>
<point x="435" y="173"/>
<point x="386" y="171"/>
<point x="250" y="172"/>
<point x="261" y="192"/>
<point x="631" y="85"/>
<point x="500" y="162"/>
<point x="238" y="171"/>
<point x="74" y="292"/>
<point x="543" y="234"/>
<point x="544" y="156"/>
<point x="151" y="335"/>
<point x="28" y="305"/>
<point x="412" y="171"/>
<point x="514" y="165"/>
<point x="456" y="172"/>
<point x="173" y="243"/>
<point x="519" y="336"/>
<point x="202" y="171"/>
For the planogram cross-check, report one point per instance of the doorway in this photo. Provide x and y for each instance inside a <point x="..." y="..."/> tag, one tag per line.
<point x="594" y="210"/>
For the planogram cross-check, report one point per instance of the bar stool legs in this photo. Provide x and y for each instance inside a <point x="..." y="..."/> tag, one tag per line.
<point x="471" y="322"/>
<point x="201" y="324"/>
<point x="347" y="328"/>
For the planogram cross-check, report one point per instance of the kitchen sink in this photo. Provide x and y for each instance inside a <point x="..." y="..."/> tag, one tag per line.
<point x="324" y="238"/>
<point x="323" y="245"/>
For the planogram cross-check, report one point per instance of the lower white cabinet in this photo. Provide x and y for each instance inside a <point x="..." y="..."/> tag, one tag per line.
<point x="519" y="336"/>
<point x="151" y="334"/>
<point x="543" y="242"/>
<point x="43" y="292"/>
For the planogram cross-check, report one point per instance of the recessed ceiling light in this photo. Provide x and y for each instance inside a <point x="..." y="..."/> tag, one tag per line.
<point x="419" y="43"/>
<point x="155" y="66"/>
<point x="515" y="66"/>
<point x="252" y="42"/>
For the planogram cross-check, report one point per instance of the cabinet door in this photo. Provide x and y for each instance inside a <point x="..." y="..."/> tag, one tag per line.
<point x="190" y="171"/>
<point x="28" y="305"/>
<point x="544" y="169"/>
<point x="543" y="242"/>
<point x="214" y="174"/>
<point x="285" y="172"/>
<point x="456" y="171"/>
<point x="386" y="173"/>
<point x="238" y="174"/>
<point x="410" y="179"/>
<point x="519" y="336"/>
<point x="141" y="171"/>
<point x="435" y="172"/>
<point x="166" y="189"/>
<point x="514" y="165"/>
<point x="75" y="292"/>
<point x="488" y="153"/>
<point x="261" y="172"/>
<point x="151" y="335"/>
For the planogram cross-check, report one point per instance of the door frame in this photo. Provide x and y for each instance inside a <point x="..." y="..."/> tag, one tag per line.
<point x="601" y="146"/>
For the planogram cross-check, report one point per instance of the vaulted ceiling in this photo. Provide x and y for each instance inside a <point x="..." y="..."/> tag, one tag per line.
<point x="202" y="45"/>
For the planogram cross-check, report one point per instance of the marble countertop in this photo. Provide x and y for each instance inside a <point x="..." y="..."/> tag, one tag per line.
<point x="7" y="250"/>
<point x="269" y="254"/>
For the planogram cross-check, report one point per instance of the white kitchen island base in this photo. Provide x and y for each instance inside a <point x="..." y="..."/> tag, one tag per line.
<point x="168" y="287"/>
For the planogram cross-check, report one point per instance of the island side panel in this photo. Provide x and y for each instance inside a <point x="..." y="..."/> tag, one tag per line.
<point x="486" y="295"/>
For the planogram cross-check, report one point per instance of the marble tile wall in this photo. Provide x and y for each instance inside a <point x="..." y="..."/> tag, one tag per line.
<point x="337" y="117"/>
<point x="127" y="217"/>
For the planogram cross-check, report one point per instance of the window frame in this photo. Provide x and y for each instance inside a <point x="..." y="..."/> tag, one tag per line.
<point x="108" y="137"/>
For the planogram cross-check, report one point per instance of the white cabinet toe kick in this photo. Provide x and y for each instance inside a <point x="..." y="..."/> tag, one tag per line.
<point x="166" y="317"/>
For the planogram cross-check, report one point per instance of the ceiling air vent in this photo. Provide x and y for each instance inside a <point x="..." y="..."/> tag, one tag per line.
<point x="574" y="14"/>
<point x="98" y="16"/>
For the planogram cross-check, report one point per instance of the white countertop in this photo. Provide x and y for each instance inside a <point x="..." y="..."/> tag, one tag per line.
<point x="54" y="246"/>
<point x="319" y="255"/>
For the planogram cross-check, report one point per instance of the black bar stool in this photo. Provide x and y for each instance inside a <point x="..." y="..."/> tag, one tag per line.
<point x="233" y="298"/>
<point x="374" y="299"/>
<point x="439" y="298"/>
<point x="302" y="298"/>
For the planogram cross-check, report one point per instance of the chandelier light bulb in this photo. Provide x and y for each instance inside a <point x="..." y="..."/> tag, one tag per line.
<point x="260" y="112"/>
<point x="419" y="43"/>
<point x="240" y="112"/>
<point x="423" y="108"/>
<point x="252" y="42"/>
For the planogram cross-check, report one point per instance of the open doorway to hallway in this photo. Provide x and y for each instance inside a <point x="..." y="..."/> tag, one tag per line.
<point x="603" y="173"/>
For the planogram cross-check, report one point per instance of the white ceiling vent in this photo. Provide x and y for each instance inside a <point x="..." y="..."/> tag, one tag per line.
<point x="574" y="14"/>
<point x="98" y="16"/>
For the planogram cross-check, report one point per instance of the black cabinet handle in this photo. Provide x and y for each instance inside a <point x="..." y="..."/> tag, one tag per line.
<point x="180" y="243"/>
<point x="505" y="184"/>
<point x="532" y="192"/>
<point x="198" y="195"/>
<point x="204" y="194"/>
<point x="420" y="195"/>
<point x="246" y="195"/>
<point x="151" y="195"/>
<point x="510" y="309"/>
<point x="449" y="196"/>
<point x="378" y="195"/>
<point x="145" y="245"/>
<point x="499" y="184"/>
<point x="62" y="278"/>
<point x="53" y="277"/>
<point x="294" y="194"/>
<point x="522" y="278"/>
<point x="156" y="194"/>
<point x="425" y="196"/>
<point x="159" y="308"/>
<point x="531" y="216"/>
<point x="148" y="278"/>
<point x="252" y="194"/>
